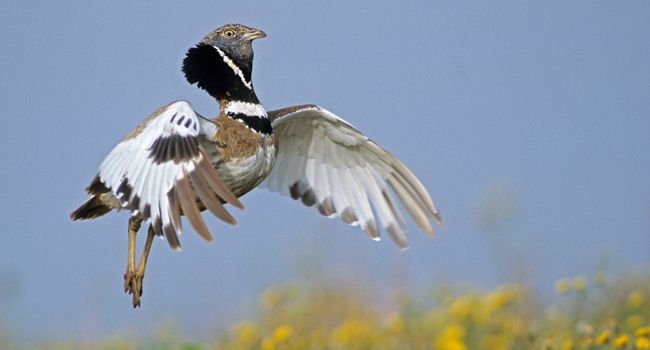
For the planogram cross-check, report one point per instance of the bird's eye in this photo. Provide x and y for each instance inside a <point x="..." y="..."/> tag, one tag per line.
<point x="228" y="34"/>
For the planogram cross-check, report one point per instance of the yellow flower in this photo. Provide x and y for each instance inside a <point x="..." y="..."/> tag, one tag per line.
<point x="603" y="338"/>
<point x="642" y="331"/>
<point x="246" y="334"/>
<point x="281" y="333"/>
<point x="601" y="278"/>
<point x="563" y="286"/>
<point x="355" y="334"/>
<point x="579" y="283"/>
<point x="635" y="300"/>
<point x="268" y="344"/>
<point x="621" y="341"/>
<point x="451" y="338"/>
<point x="462" y="307"/>
<point x="634" y="321"/>
<point x="642" y="343"/>
<point x="502" y="297"/>
<point x="567" y="344"/>
<point x="496" y="341"/>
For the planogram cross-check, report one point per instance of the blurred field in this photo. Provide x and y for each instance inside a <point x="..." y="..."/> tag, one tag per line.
<point x="587" y="312"/>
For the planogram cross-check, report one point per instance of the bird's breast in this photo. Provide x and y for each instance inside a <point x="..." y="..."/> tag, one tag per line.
<point x="242" y="156"/>
<point x="245" y="173"/>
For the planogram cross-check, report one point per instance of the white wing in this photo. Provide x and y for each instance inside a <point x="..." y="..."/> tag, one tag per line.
<point x="157" y="170"/>
<point x="325" y="161"/>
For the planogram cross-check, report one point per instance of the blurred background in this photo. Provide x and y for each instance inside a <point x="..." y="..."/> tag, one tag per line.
<point x="528" y="123"/>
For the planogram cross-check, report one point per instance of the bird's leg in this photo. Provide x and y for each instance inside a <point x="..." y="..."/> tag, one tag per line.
<point x="129" y="275"/>
<point x="139" y="273"/>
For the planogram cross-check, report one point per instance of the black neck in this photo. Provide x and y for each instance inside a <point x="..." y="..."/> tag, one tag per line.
<point x="204" y="66"/>
<point x="260" y="124"/>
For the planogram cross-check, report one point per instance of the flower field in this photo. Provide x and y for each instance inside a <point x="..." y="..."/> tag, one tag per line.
<point x="587" y="313"/>
<point x="596" y="312"/>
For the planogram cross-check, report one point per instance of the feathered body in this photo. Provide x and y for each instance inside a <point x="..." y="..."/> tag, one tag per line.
<point x="178" y="163"/>
<point x="238" y="142"/>
<point x="242" y="156"/>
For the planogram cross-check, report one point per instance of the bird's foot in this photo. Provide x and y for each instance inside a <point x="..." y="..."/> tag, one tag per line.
<point x="133" y="286"/>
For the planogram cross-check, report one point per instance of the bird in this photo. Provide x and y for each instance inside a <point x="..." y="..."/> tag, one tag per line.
<point x="177" y="162"/>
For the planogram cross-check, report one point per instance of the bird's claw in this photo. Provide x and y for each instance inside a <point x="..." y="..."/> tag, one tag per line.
<point x="133" y="286"/>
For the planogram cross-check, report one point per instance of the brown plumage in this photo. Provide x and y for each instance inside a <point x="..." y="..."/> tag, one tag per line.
<point x="98" y="204"/>
<point x="235" y="139"/>
<point x="92" y="208"/>
<point x="176" y="163"/>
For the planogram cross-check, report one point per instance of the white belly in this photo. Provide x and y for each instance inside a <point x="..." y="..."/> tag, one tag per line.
<point x="243" y="174"/>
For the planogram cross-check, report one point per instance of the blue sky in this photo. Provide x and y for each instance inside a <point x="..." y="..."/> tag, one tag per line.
<point x="544" y="105"/>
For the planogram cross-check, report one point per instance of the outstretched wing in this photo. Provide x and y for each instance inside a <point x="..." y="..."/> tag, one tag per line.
<point x="157" y="170"/>
<point x="324" y="161"/>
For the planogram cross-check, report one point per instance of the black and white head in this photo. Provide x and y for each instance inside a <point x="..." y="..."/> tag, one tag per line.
<point x="222" y="62"/>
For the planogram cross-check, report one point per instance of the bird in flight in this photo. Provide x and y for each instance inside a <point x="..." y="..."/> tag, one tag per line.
<point x="179" y="163"/>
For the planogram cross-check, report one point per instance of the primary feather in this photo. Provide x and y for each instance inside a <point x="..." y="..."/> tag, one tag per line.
<point x="149" y="172"/>
<point x="324" y="161"/>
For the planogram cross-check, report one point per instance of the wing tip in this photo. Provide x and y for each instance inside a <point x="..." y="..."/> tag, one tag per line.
<point x="438" y="220"/>
<point x="397" y="235"/>
<point x="232" y="222"/>
<point x="370" y="228"/>
<point x="237" y="204"/>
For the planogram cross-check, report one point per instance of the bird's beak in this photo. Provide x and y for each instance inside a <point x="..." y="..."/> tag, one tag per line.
<point x="255" y="34"/>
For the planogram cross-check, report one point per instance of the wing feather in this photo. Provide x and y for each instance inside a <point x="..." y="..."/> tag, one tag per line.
<point x="190" y="209"/>
<point x="209" y="199"/>
<point x="161" y="171"/>
<point x="324" y="161"/>
<point x="215" y="182"/>
<point x="175" y="211"/>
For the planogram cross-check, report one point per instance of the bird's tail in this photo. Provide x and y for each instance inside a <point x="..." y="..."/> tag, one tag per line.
<point x="91" y="209"/>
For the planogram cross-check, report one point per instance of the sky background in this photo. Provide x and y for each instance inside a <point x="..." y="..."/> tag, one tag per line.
<point x="527" y="121"/>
